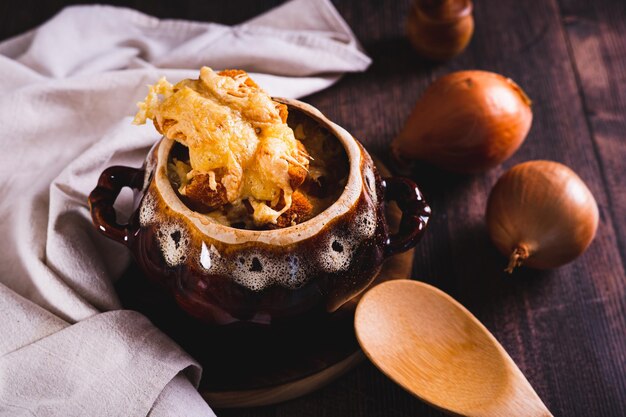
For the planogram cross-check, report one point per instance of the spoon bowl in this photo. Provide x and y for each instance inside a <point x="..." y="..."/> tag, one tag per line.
<point x="437" y="350"/>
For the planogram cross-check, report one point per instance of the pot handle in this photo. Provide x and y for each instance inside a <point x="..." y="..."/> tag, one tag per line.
<point x="102" y="198"/>
<point x="415" y="213"/>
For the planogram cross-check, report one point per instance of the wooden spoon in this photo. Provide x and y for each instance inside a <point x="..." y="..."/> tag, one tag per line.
<point x="438" y="351"/>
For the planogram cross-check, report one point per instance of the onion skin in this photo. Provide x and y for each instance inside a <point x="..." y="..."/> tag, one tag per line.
<point x="440" y="29"/>
<point x="541" y="214"/>
<point x="466" y="122"/>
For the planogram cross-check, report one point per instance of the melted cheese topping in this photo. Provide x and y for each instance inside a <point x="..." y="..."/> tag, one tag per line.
<point x="233" y="129"/>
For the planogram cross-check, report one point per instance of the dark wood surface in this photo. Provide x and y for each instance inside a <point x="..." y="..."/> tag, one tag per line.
<point x="565" y="328"/>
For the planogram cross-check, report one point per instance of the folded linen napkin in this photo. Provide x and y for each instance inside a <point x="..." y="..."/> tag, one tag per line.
<point x="68" y="91"/>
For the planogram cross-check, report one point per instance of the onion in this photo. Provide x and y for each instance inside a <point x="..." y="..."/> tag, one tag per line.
<point x="467" y="121"/>
<point x="541" y="214"/>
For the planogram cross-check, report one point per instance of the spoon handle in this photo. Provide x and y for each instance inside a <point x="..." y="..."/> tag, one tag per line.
<point x="518" y="398"/>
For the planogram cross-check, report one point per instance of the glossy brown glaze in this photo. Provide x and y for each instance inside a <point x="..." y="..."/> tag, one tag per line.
<point x="223" y="275"/>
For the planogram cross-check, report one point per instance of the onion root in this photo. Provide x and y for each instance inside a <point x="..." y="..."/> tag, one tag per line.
<point x="517" y="258"/>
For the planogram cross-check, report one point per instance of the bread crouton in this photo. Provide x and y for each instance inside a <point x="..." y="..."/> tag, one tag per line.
<point x="299" y="212"/>
<point x="201" y="196"/>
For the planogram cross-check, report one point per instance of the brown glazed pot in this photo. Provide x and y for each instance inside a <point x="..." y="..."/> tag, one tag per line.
<point x="223" y="275"/>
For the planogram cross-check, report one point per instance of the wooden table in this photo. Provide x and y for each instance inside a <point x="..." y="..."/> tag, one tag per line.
<point x="565" y="328"/>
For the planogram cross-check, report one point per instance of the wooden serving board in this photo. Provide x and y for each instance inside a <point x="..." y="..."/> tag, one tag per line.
<point x="245" y="367"/>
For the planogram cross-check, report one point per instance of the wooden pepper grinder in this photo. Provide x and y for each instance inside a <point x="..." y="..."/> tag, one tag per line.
<point x="440" y="29"/>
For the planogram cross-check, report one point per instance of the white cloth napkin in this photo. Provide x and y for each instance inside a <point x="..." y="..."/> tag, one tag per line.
<point x="68" y="91"/>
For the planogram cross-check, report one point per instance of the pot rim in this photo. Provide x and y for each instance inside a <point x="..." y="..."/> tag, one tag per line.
<point x="284" y="236"/>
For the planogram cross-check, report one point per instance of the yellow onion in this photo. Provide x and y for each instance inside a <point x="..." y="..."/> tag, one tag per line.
<point x="440" y="29"/>
<point x="467" y="121"/>
<point x="541" y="214"/>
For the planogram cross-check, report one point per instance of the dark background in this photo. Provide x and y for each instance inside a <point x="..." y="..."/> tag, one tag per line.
<point x="564" y="328"/>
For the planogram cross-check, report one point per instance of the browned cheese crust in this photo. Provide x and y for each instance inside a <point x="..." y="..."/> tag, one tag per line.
<point x="201" y="197"/>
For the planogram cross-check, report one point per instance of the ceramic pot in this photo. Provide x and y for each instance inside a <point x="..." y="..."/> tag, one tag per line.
<point x="222" y="274"/>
